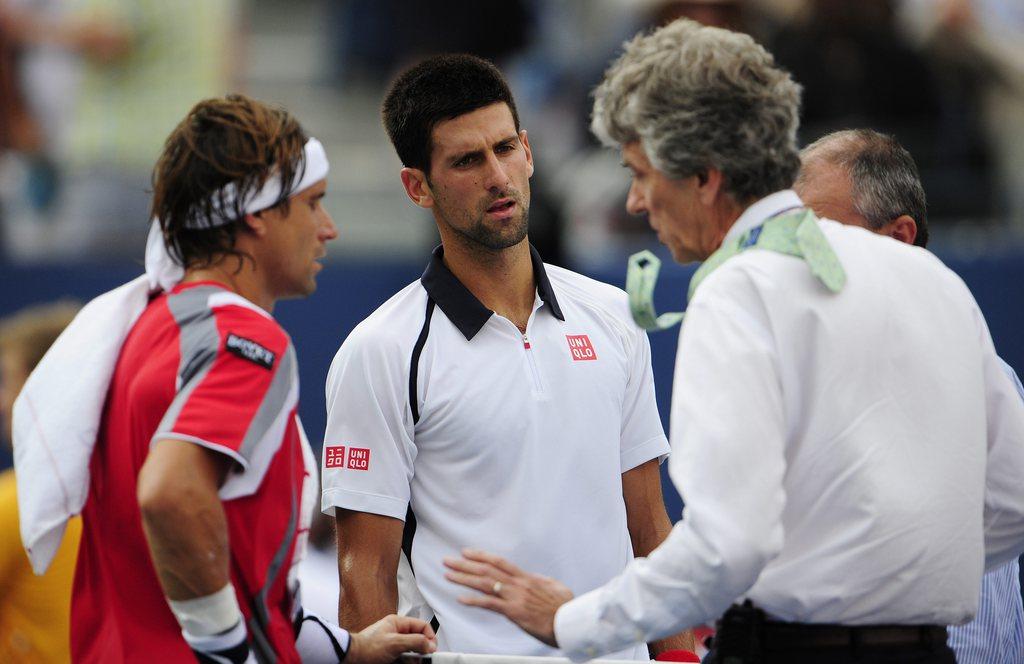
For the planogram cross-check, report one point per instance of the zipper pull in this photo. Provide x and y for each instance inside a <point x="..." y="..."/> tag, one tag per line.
<point x="526" y="342"/>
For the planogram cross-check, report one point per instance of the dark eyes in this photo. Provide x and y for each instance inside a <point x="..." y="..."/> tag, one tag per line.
<point x="471" y="159"/>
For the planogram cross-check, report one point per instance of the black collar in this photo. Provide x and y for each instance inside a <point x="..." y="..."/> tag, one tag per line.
<point x="461" y="306"/>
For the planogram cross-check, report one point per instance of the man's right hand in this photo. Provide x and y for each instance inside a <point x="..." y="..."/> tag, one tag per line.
<point x="383" y="641"/>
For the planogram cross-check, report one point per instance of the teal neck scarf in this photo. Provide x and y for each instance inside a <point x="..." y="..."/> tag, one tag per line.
<point x="795" y="233"/>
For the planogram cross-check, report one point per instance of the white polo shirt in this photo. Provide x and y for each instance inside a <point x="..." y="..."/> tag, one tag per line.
<point x="444" y="415"/>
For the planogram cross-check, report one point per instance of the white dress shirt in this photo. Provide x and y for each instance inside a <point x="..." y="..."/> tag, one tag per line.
<point x="835" y="451"/>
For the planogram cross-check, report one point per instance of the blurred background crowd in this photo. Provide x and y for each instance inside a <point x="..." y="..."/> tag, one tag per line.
<point x="89" y="88"/>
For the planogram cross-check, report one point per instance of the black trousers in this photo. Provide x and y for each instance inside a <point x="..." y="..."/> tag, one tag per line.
<point x="745" y="635"/>
<point x="917" y="654"/>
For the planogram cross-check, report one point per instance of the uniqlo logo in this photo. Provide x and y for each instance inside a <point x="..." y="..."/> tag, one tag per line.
<point x="580" y="347"/>
<point x="334" y="456"/>
<point x="359" y="458"/>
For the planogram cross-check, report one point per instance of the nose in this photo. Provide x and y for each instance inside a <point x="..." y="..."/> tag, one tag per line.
<point x="635" y="201"/>
<point x="328" y="229"/>
<point x="495" y="176"/>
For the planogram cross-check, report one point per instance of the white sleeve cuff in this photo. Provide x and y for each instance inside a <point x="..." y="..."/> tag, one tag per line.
<point x="578" y="628"/>
<point x="358" y="501"/>
<point x="655" y="448"/>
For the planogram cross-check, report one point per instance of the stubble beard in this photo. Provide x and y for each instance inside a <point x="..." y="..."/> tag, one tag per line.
<point x="493" y="238"/>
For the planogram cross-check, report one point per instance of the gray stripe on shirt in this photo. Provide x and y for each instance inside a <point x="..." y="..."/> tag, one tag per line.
<point x="198" y="340"/>
<point x="274" y="401"/>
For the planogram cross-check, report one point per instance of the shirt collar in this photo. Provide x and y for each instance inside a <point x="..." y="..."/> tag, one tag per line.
<point x="761" y="211"/>
<point x="461" y="306"/>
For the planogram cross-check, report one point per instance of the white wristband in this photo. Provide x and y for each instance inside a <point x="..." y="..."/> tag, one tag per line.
<point x="206" y="616"/>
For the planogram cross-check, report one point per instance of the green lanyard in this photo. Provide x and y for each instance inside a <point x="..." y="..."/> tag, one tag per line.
<point x="794" y="233"/>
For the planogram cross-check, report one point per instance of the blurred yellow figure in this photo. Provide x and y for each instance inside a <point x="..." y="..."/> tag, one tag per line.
<point x="34" y="610"/>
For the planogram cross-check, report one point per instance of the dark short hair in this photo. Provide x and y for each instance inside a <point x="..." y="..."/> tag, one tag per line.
<point x="884" y="179"/>
<point x="440" y="88"/>
<point x="227" y="139"/>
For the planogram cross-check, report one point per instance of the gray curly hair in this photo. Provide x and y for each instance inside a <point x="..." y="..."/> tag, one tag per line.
<point x="697" y="97"/>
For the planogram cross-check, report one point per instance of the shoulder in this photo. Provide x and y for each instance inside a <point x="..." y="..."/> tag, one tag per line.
<point x="748" y="276"/>
<point x="388" y="335"/>
<point x="607" y="301"/>
<point x="236" y="315"/>
<point x="859" y="248"/>
<point x="394" y="324"/>
<point x="212" y="321"/>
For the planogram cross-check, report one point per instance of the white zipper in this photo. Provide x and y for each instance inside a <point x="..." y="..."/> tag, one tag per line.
<point x="538" y="387"/>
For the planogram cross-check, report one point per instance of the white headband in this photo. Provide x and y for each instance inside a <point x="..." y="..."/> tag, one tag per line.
<point x="164" y="272"/>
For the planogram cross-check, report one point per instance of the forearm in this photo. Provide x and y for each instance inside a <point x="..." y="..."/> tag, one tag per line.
<point x="183" y="518"/>
<point x="646" y="518"/>
<point x="189" y="545"/>
<point x="647" y="534"/>
<point x="369" y="546"/>
<point x="649" y="525"/>
<point x="368" y="593"/>
<point x="684" y="640"/>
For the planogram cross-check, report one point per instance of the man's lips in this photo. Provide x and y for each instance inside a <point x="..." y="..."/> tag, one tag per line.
<point x="502" y="207"/>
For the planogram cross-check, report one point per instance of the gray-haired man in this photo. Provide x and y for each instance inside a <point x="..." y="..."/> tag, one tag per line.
<point x="863" y="178"/>
<point x="839" y="482"/>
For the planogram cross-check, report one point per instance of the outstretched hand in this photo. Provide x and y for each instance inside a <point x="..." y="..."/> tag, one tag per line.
<point x="385" y="640"/>
<point x="528" y="600"/>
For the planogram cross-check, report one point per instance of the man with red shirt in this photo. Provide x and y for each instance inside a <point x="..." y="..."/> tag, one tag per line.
<point x="200" y="482"/>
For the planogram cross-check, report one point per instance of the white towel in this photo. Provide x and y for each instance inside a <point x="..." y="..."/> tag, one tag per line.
<point x="57" y="414"/>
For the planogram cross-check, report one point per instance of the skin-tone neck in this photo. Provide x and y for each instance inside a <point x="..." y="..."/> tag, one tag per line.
<point x="723" y="214"/>
<point x="242" y="281"/>
<point x="502" y="280"/>
<point x="238" y="274"/>
<point x="720" y="212"/>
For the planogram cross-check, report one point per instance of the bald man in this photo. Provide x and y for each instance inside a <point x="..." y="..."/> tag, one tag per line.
<point x="863" y="178"/>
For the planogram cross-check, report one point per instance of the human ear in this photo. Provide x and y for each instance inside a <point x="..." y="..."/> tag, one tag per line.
<point x="529" y="152"/>
<point x="256" y="223"/>
<point x="903" y="228"/>
<point x="417" y="188"/>
<point x="709" y="183"/>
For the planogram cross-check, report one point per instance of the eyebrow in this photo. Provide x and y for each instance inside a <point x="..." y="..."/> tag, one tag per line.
<point x="476" y="153"/>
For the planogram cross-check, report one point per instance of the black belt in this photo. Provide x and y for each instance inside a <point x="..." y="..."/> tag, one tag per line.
<point x="790" y="636"/>
<point x="745" y="633"/>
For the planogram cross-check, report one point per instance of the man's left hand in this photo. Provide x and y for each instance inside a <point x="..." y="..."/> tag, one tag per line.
<point x="528" y="600"/>
<point x="385" y="640"/>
